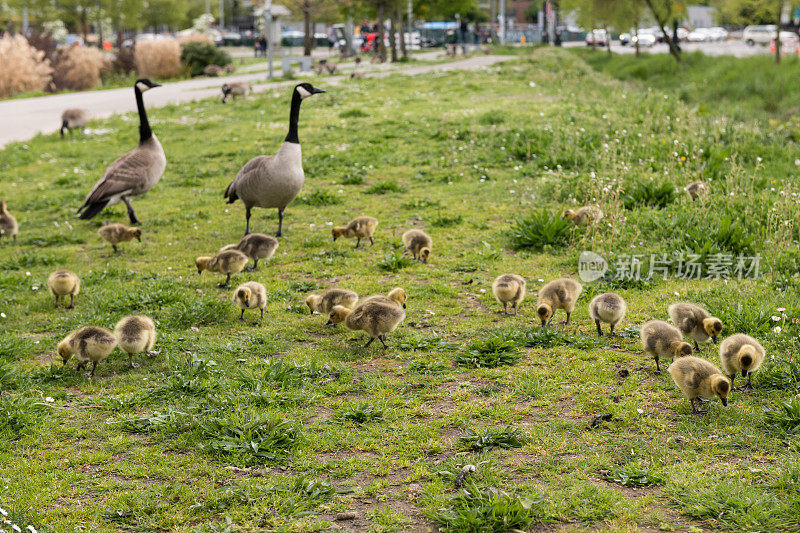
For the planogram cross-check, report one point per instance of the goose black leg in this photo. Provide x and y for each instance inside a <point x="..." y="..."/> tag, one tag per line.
<point x="567" y="321"/>
<point x="371" y="241"/>
<point x="612" y="331"/>
<point x="358" y="241"/>
<point x="658" y="370"/>
<point x="131" y="213"/>
<point x="71" y="301"/>
<point x="94" y="368"/>
<point x="225" y="283"/>
<point x="369" y="342"/>
<point x="262" y="314"/>
<point x="696" y="347"/>
<point x="599" y="331"/>
<point x="247" y="216"/>
<point x="56" y="304"/>
<point x="114" y="247"/>
<point x="280" y="223"/>
<point x="241" y="317"/>
<point x="382" y="338"/>
<point x="254" y="267"/>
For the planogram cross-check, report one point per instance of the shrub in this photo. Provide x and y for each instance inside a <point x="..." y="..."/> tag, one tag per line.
<point x="492" y="438"/>
<point x="124" y="62"/>
<point x="78" y="68"/>
<point x="24" y="67"/>
<point x="159" y="58"/>
<point x="477" y="510"/>
<point x="489" y="351"/>
<point x="197" y="55"/>
<point x="649" y="194"/>
<point x="786" y="417"/>
<point x="539" y="230"/>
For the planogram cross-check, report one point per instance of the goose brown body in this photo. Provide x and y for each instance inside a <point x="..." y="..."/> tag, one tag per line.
<point x="584" y="216"/>
<point x="89" y="343"/>
<point x="695" y="322"/>
<point x="698" y="378"/>
<point x="8" y="223"/>
<point x="558" y="294"/>
<point x="358" y="228"/>
<point x="323" y="303"/>
<point x="609" y="308"/>
<point x="250" y="295"/>
<point x="418" y="244"/>
<point x="376" y="317"/>
<point x="117" y="233"/>
<point x="226" y="262"/>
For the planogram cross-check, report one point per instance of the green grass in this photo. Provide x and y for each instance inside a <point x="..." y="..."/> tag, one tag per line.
<point x="282" y="425"/>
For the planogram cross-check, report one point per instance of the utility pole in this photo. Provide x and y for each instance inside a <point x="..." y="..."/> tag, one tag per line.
<point x="502" y="22"/>
<point x="268" y="34"/>
<point x="222" y="14"/>
<point x="208" y="7"/>
<point x="410" y="10"/>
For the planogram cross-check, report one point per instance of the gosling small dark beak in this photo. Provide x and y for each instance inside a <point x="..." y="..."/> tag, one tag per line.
<point x="744" y="373"/>
<point x="714" y="340"/>
<point x="724" y="402"/>
<point x="317" y="90"/>
<point x="404" y="306"/>
<point x="544" y="323"/>
<point x="329" y="323"/>
<point x="139" y="239"/>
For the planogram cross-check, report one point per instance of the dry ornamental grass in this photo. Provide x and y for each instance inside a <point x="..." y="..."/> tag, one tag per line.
<point x="24" y="67"/>
<point x="159" y="58"/>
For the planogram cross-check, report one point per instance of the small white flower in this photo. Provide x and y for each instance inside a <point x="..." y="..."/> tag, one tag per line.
<point x="531" y="84"/>
<point x="776" y="318"/>
<point x="676" y="293"/>
<point x="27" y="273"/>
<point x="3" y="512"/>
<point x="483" y="290"/>
<point x="31" y="529"/>
<point x="777" y="329"/>
<point x="541" y="280"/>
<point x="781" y="309"/>
<point x="639" y="411"/>
<point x="2" y="315"/>
<point x="49" y="399"/>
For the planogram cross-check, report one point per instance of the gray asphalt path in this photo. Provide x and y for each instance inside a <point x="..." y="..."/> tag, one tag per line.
<point x="24" y="118"/>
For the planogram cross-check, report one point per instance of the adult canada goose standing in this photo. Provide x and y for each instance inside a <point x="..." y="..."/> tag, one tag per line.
<point x="273" y="181"/>
<point x="134" y="173"/>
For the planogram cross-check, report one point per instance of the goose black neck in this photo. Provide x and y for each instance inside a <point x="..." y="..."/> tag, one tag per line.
<point x="294" y="118"/>
<point x="144" y="126"/>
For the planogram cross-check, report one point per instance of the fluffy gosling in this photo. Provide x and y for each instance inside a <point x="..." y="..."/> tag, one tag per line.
<point x="255" y="246"/>
<point x="696" y="189"/>
<point x="227" y="262"/>
<point x="558" y="294"/>
<point x="584" y="216"/>
<point x="695" y="322"/>
<point x="117" y="233"/>
<point x="741" y="353"/>
<point x="698" y="378"/>
<point x="418" y="244"/>
<point x="8" y="224"/>
<point x="375" y="317"/>
<point x="609" y="308"/>
<point x="135" y="334"/>
<point x="397" y="296"/>
<point x="325" y="302"/>
<point x="358" y="228"/>
<point x="661" y="339"/>
<point x="63" y="283"/>
<point x="88" y="343"/>
<point x="250" y="295"/>
<point x="509" y="289"/>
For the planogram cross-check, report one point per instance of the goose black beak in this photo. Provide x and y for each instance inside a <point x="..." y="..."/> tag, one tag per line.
<point x="544" y="323"/>
<point x="155" y="85"/>
<point x="329" y="323"/>
<point x="714" y="340"/>
<point x="139" y="239"/>
<point x="724" y="402"/>
<point x="317" y="90"/>
<point x="744" y="373"/>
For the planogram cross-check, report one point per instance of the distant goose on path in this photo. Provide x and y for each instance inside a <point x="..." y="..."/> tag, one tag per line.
<point x="273" y="181"/>
<point x="134" y="173"/>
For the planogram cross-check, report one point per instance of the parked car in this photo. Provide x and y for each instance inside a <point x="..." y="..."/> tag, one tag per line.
<point x="718" y="34"/>
<point x="597" y="38"/>
<point x="789" y="41"/>
<point x="763" y="35"/>
<point x="700" y="35"/>
<point x="645" y="38"/>
<point x="624" y="39"/>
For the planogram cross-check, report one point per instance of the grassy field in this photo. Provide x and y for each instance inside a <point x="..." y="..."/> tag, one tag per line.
<point x="287" y="425"/>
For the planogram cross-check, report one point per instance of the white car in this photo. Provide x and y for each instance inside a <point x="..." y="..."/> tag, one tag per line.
<point x="644" y="38"/>
<point x="700" y="35"/>
<point x="763" y="35"/>
<point x="596" y="38"/>
<point x="718" y="34"/>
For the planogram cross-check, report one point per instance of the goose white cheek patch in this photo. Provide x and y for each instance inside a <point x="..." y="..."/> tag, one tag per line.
<point x="303" y="93"/>
<point x="142" y="87"/>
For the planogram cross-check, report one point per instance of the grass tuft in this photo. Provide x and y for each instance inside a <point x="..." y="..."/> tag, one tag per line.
<point x="540" y="231"/>
<point x="492" y="438"/>
<point x="475" y="510"/>
<point x="489" y="351"/>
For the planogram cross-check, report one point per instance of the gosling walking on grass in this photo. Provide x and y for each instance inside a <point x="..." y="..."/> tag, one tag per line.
<point x="325" y="302"/>
<point x="418" y="244"/>
<point x="741" y="353"/>
<point x="135" y="334"/>
<point x="509" y="289"/>
<point x="227" y="262"/>
<point x="88" y="343"/>
<point x="358" y="228"/>
<point x="255" y="246"/>
<point x="663" y="340"/>
<point x="558" y="294"/>
<point x="115" y="234"/>
<point x="8" y="223"/>
<point x="695" y="322"/>
<point x="63" y="283"/>
<point x="698" y="378"/>
<point x="609" y="308"/>
<point x="375" y="317"/>
<point x="250" y="295"/>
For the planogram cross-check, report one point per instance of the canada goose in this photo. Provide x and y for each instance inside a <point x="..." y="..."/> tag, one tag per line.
<point x="358" y="228"/>
<point x="375" y="317"/>
<point x="697" y="377"/>
<point x="63" y="283"/>
<point x="661" y="339"/>
<point x="256" y="246"/>
<point x="418" y="244"/>
<point x="584" y="216"/>
<point x="741" y="353"/>
<point x="116" y="233"/>
<point x="696" y="189"/>
<point x="212" y="70"/>
<point x="8" y="223"/>
<point x="88" y="343"/>
<point x="135" y="334"/>
<point x="695" y="322"/>
<point x="235" y="88"/>
<point x="73" y="118"/>
<point x="558" y="294"/>
<point x="323" y="303"/>
<point x="274" y="180"/>
<point x="396" y="296"/>
<point x="250" y="295"/>
<point x="227" y="262"/>
<point x="509" y="289"/>
<point x="607" y="307"/>
<point x="134" y="173"/>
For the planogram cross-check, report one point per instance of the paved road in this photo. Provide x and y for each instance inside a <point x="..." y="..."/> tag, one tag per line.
<point x="734" y="48"/>
<point x="24" y="118"/>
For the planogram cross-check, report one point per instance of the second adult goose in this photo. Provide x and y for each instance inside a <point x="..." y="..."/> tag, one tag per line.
<point x="273" y="181"/>
<point x="134" y="173"/>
